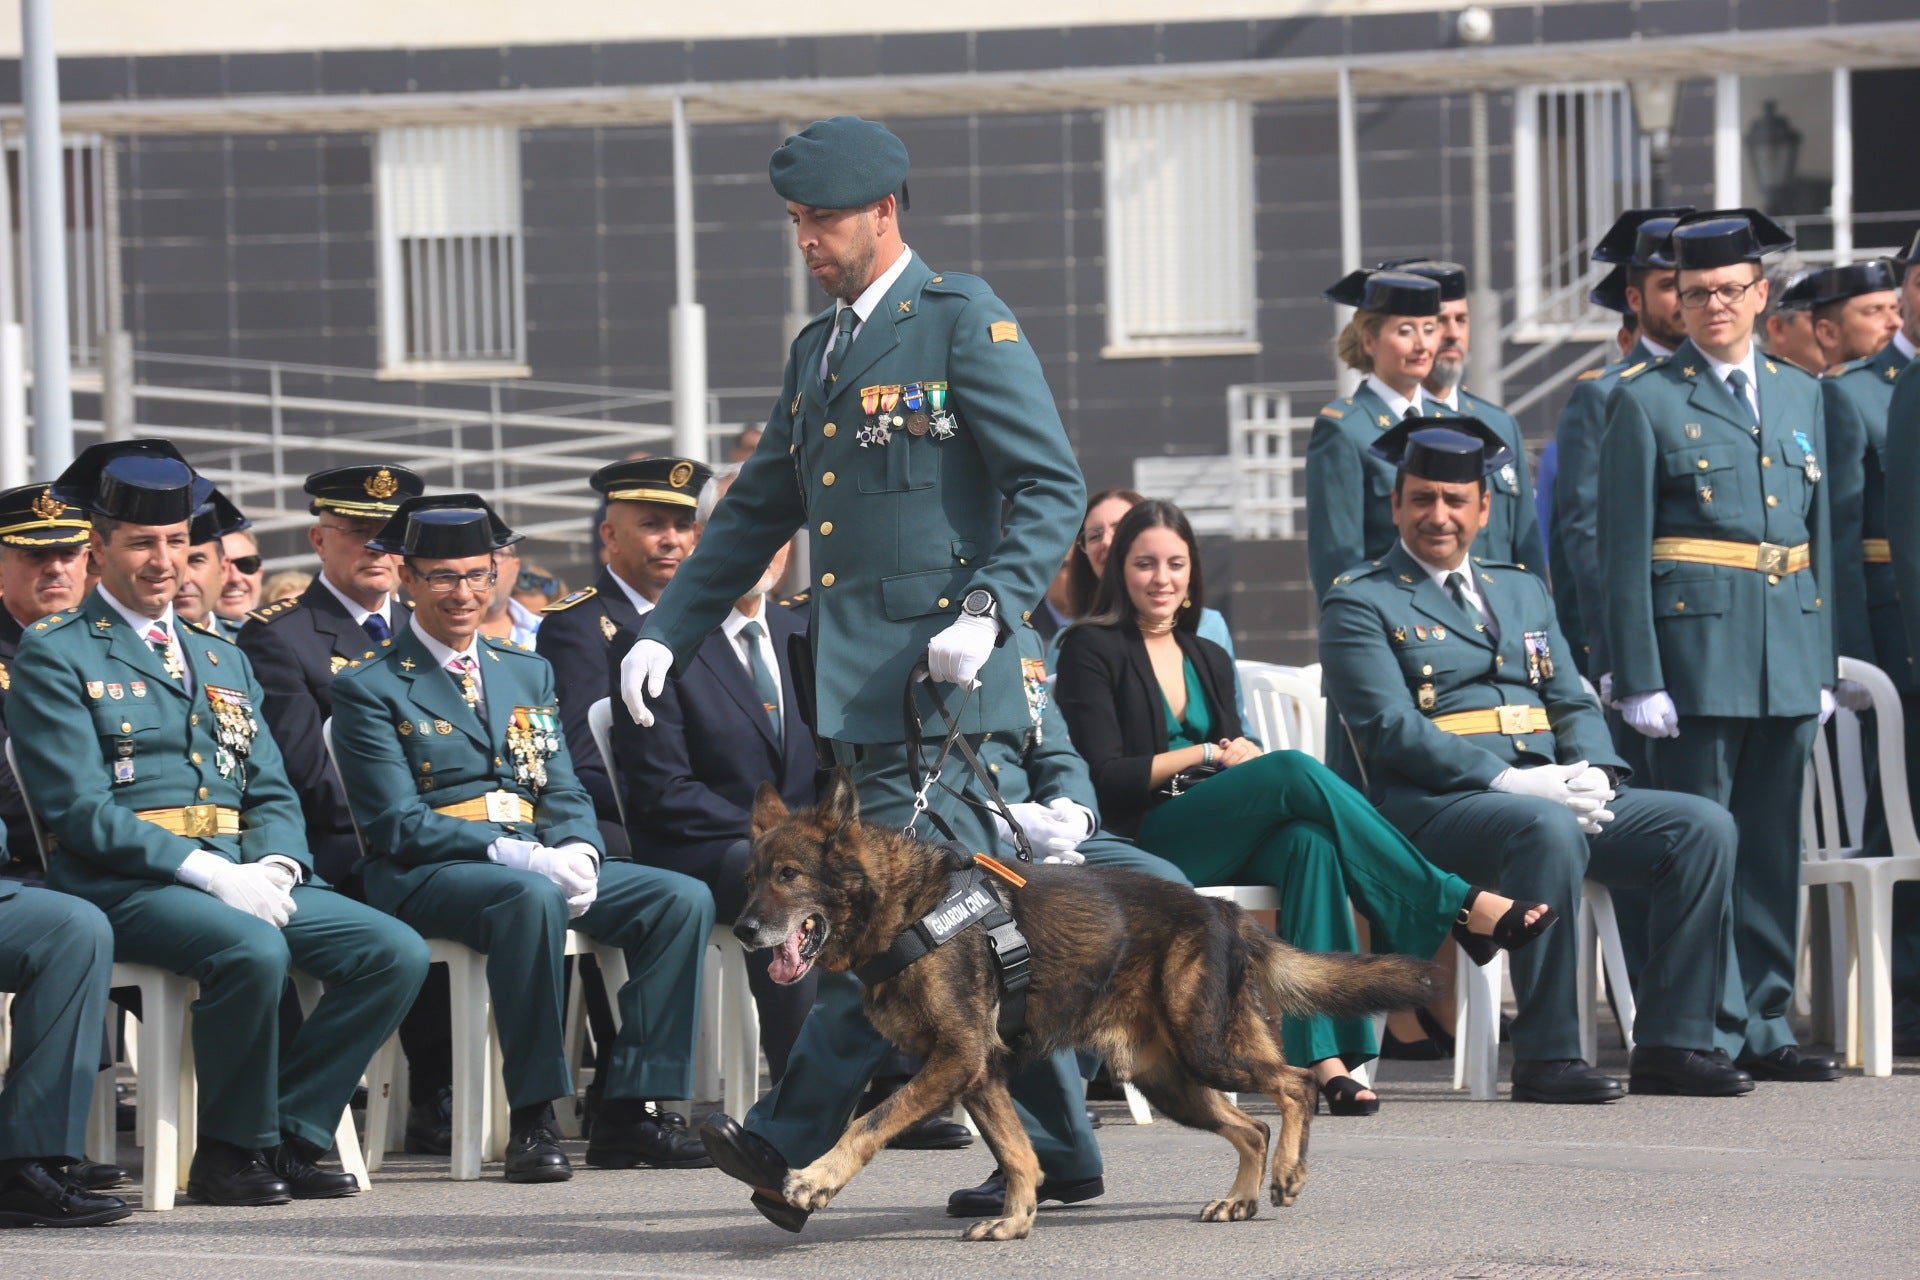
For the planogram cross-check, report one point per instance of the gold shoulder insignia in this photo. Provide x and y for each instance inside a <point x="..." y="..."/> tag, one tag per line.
<point x="1591" y="374"/>
<point x="568" y="601"/>
<point x="1342" y="580"/>
<point x="1331" y="412"/>
<point x="798" y="597"/>
<point x="1004" y="331"/>
<point x="1628" y="373"/>
<point x="278" y="609"/>
<point x="6" y="678"/>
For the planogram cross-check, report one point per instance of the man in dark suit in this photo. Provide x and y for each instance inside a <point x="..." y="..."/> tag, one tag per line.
<point x="650" y="527"/>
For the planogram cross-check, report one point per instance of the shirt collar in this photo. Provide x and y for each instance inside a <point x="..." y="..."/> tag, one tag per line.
<point x="526" y="623"/>
<point x="641" y="604"/>
<point x="1655" y="348"/>
<point x="439" y="652"/>
<point x="1902" y="344"/>
<point x="357" y="611"/>
<point x="1438" y="574"/>
<point x="737" y="621"/>
<point x="864" y="304"/>
<point x="1721" y="368"/>
<point x="1397" y="404"/>
<point x="140" y="622"/>
<point x="1450" y="401"/>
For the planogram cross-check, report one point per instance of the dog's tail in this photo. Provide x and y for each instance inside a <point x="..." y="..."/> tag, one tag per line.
<point x="1336" y="983"/>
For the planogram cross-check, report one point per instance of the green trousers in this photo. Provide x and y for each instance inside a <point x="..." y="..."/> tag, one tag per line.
<point x="838" y="1048"/>
<point x="1756" y="768"/>
<point x="1283" y="819"/>
<point x="253" y="1089"/>
<point x="661" y="919"/>
<point x="56" y="953"/>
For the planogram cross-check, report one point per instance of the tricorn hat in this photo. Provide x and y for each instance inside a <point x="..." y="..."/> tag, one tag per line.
<point x="1722" y="237"/>
<point x="1450" y="276"/>
<point x="447" y="526"/>
<point x="1801" y="291"/>
<point x="143" y="482"/>
<point x="1393" y="293"/>
<point x="214" y="516"/>
<point x="1638" y="237"/>
<point x="1449" y="450"/>
<point x="1837" y="284"/>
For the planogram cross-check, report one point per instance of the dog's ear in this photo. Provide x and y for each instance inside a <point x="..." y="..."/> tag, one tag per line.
<point x="768" y="810"/>
<point x="840" y="802"/>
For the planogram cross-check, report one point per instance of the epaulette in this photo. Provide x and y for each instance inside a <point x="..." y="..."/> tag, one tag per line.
<point x="1363" y="571"/>
<point x="1842" y="369"/>
<point x="1591" y="374"/>
<point x="209" y="629"/>
<point x="958" y="282"/>
<point x="510" y="646"/>
<point x="6" y="678"/>
<point x="797" y="598"/>
<point x="1629" y="372"/>
<point x="1331" y="412"/>
<point x="568" y="601"/>
<point x="1499" y="564"/>
<point x="54" y="621"/>
<point x="278" y="609"/>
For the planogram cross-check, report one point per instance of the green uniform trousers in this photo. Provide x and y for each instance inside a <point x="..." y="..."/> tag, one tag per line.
<point x="56" y="953"/>
<point x="1679" y="848"/>
<point x="1283" y="819"/>
<point x="1755" y="767"/>
<point x="662" y="920"/>
<point x="838" y="1049"/>
<point x="253" y="1089"/>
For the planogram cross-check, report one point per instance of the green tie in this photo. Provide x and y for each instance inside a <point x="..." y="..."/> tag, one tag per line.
<point x="1737" y="383"/>
<point x="763" y="681"/>
<point x="842" y="341"/>
<point x="1457" y="588"/>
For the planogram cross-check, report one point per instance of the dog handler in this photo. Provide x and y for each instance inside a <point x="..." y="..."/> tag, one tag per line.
<point x="912" y="412"/>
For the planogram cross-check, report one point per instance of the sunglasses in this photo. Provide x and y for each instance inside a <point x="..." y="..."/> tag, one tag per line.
<point x="544" y="584"/>
<point x="245" y="564"/>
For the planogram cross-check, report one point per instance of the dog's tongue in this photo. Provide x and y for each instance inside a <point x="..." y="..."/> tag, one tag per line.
<point x="786" y="965"/>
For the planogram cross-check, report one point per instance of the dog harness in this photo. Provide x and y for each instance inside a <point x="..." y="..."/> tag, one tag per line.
<point x="970" y="900"/>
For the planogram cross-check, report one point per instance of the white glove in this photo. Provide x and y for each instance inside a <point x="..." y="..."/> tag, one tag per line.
<point x="1054" y="829"/>
<point x="1589" y="793"/>
<point x="1606" y="688"/>
<point x="1853" y="695"/>
<point x="284" y="871"/>
<point x="956" y="655"/>
<point x="573" y="867"/>
<point x="1652" y="714"/>
<point x="1827" y="704"/>
<point x="643" y="674"/>
<point x="249" y="887"/>
<point x="584" y="865"/>
<point x="1547" y="781"/>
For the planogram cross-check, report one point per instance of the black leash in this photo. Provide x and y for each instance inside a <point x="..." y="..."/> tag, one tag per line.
<point x="955" y="742"/>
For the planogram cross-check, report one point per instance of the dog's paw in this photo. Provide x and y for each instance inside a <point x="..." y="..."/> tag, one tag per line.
<point x="1014" y="1228"/>
<point x="1229" y="1210"/>
<point x="1286" y="1187"/>
<point x="807" y="1189"/>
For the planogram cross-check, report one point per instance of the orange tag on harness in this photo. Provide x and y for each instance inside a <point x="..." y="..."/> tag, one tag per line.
<point x="998" y="868"/>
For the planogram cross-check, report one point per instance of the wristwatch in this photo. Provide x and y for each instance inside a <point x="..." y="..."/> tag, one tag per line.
<point x="979" y="603"/>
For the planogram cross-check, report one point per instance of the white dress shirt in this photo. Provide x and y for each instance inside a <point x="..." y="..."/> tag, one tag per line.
<point x="1468" y="586"/>
<point x="1903" y="344"/>
<point x="357" y="611"/>
<point x="735" y="622"/>
<point x="1656" y="348"/>
<point x="1397" y="404"/>
<point x="864" y="304"/>
<point x="641" y="605"/>
<point x="444" y="656"/>
<point x="1721" y="369"/>
<point x="142" y="624"/>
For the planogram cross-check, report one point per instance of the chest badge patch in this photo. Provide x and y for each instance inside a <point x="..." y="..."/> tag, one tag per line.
<point x="606" y="626"/>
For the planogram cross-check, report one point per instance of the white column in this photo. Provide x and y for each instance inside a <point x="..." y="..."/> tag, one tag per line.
<point x="13" y="373"/>
<point x="1346" y="378"/>
<point x="46" y="240"/>
<point x="689" y="318"/>
<point x="1842" y="165"/>
<point x="1726" y="143"/>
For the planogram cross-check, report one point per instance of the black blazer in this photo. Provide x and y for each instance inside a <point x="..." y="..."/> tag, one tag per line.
<point x="1116" y="714"/>
<point x="689" y="779"/>
<point x="575" y="636"/>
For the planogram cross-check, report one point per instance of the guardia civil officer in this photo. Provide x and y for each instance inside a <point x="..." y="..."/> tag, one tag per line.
<point x="206" y="573"/>
<point x="1484" y="749"/>
<point x="139" y="741"/>
<point x="916" y="439"/>
<point x="1716" y="555"/>
<point x="450" y="746"/>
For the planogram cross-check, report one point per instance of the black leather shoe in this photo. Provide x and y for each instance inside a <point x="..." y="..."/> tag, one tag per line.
<point x="989" y="1199"/>
<point x="935" y="1133"/>
<point x="1093" y="1119"/>
<point x="752" y="1159"/>
<point x="430" y="1126"/>
<point x="307" y="1180"/>
<point x="36" y="1196"/>
<point x="657" y="1139"/>
<point x="1789" y="1064"/>
<point x="95" y="1176"/>
<point x="1689" y="1073"/>
<point x="1567" y="1080"/>
<point x="224" y="1174"/>
<point x="533" y="1151"/>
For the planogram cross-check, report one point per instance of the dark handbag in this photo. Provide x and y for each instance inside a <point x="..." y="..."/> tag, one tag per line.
<point x="1186" y="780"/>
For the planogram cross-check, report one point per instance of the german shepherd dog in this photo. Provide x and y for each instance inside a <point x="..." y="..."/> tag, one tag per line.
<point x="1182" y="994"/>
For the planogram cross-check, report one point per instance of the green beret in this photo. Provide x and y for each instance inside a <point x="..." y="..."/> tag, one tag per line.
<point x="842" y="163"/>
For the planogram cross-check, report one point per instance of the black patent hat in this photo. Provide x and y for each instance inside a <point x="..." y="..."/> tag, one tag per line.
<point x="1393" y="293"/>
<point x="1911" y="257"/>
<point x="1450" y="276"/>
<point x="1447" y="450"/>
<point x="674" y="482"/>
<point x="1611" y="292"/>
<point x="1837" y="284"/>
<point x="448" y="526"/>
<point x="33" y="516"/>
<point x="1723" y="237"/>
<point x="1801" y="291"/>
<point x="362" y="491"/>
<point x="144" y="482"/>
<point x="1638" y="237"/>
<point x="214" y="516"/>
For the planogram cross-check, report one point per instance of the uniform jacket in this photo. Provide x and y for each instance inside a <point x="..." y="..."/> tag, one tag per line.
<point x="1039" y="763"/>
<point x="89" y="694"/>
<point x="901" y="532"/>
<point x="1903" y="477"/>
<point x="1350" y="492"/>
<point x="1678" y="460"/>
<point x="297" y="647"/>
<point x="576" y="633"/>
<point x="1118" y="716"/>
<point x="1866" y="599"/>
<point x="13" y="808"/>
<point x="1397" y="651"/>
<point x="689" y="780"/>
<point x="1577" y="595"/>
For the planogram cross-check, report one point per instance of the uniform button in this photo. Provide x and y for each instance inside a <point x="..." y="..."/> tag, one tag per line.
<point x="1766" y="460"/>
<point x="826" y="528"/>
<point x="1499" y="660"/>
<point x="203" y="793"/>
<point x="426" y="766"/>
<point x="826" y="579"/>
<point x="829" y="430"/>
<point x="496" y="762"/>
<point x="1520" y="743"/>
<point x="1816" y="602"/>
<point x="1773" y="499"/>
<point x="827" y="479"/>
<point x="994" y="767"/>
<point x="194" y="718"/>
<point x="1679" y="606"/>
<point x="1773" y="579"/>
<point x="1426" y="670"/>
<point x="1702" y="464"/>
<point x="943" y="602"/>
<point x="195" y="757"/>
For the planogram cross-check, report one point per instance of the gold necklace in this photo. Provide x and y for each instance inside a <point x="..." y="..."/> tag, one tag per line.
<point x="1153" y="628"/>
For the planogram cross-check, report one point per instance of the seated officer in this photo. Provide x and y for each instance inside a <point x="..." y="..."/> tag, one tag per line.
<point x="450" y="747"/>
<point x="138" y="742"/>
<point x="1482" y="746"/>
<point x="206" y="571"/>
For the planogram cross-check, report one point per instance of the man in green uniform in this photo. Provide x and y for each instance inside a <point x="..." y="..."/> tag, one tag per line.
<point x="916" y="439"/>
<point x="1716" y="557"/>
<point x="452" y="753"/>
<point x="206" y="571"/>
<point x="1483" y="747"/>
<point x="139" y="742"/>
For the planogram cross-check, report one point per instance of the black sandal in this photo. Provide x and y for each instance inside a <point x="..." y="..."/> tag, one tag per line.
<point x="1343" y="1097"/>
<point x="1425" y="1049"/>
<point x="1510" y="933"/>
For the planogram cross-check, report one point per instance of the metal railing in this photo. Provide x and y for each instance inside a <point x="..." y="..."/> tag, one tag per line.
<point x="1268" y="439"/>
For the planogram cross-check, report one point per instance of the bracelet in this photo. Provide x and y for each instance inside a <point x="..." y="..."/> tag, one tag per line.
<point x="1206" y="753"/>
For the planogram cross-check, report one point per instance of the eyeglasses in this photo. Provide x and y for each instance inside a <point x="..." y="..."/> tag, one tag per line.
<point x="544" y="584"/>
<point x="443" y="582"/>
<point x="1726" y="294"/>
<point x="1097" y="537"/>
<point x="245" y="564"/>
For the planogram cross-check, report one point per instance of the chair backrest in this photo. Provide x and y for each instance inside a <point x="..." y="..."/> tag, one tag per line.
<point x="33" y="814"/>
<point x="1890" y="743"/>
<point x="1286" y="707"/>
<point x="326" y="736"/>
<point x="600" y="725"/>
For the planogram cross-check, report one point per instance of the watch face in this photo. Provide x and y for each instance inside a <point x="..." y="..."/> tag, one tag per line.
<point x="978" y="601"/>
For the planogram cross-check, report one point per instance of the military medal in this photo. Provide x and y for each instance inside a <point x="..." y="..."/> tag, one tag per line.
<point x="1033" y="676"/>
<point x="1812" y="463"/>
<point x="533" y="738"/>
<point x="606" y="627"/>
<point x="1420" y="633"/>
<point x="122" y="772"/>
<point x="95" y="688"/>
<point x="1426" y="699"/>
<point x="914" y="396"/>
<point x="116" y="692"/>
<point x="139" y="688"/>
<point x="941" y="420"/>
<point x="875" y="431"/>
<point x="235" y="728"/>
<point x="1508" y="475"/>
<point x="1439" y="633"/>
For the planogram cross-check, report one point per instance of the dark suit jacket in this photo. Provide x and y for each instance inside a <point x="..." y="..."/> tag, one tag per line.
<point x="13" y="808"/>
<point x="690" y="779"/>
<point x="576" y="634"/>
<point x="1114" y="710"/>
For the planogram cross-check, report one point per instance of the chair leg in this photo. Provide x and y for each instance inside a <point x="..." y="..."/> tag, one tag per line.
<point x="1613" y="957"/>
<point x="1136" y="1104"/>
<point x="103" y="1137"/>
<point x="709" y="1067"/>
<point x="498" y="1125"/>
<point x="189" y="1098"/>
<point x="574" y="1038"/>
<point x="1873" y="926"/>
<point x="380" y="1098"/>
<point x="157" y="1099"/>
<point x="1586" y="1007"/>
<point x="346" y="1142"/>
<point x="467" y="985"/>
<point x="740" y="1064"/>
<point x="1482" y="1038"/>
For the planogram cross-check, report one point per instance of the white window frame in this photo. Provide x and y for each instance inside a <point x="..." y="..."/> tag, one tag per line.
<point x="1562" y="208"/>
<point x="451" y="252"/>
<point x="1179" y="230"/>
<point x="83" y="167"/>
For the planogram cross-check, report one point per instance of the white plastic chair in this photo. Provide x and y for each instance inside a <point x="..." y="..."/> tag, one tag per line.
<point x="1863" y="939"/>
<point x="731" y="1020"/>
<point x="1286" y="707"/>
